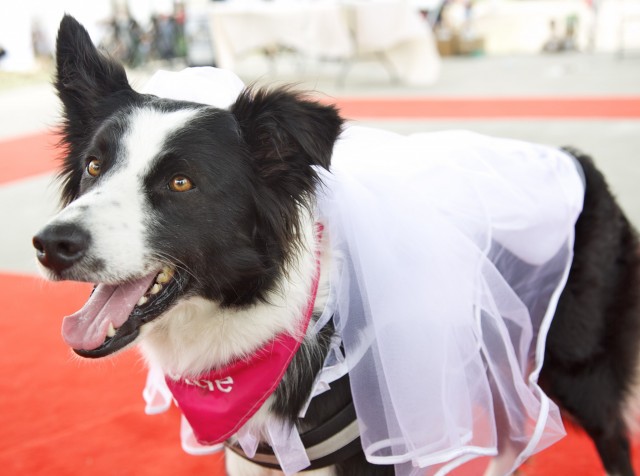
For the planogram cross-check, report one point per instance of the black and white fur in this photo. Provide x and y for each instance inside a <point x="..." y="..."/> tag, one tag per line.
<point x="242" y="244"/>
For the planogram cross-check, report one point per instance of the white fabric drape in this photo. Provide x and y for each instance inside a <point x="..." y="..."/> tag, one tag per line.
<point x="452" y="250"/>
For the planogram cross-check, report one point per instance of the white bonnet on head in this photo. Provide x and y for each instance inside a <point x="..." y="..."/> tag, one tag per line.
<point x="204" y="85"/>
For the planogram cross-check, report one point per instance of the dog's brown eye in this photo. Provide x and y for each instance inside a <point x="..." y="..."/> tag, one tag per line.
<point x="93" y="166"/>
<point x="180" y="183"/>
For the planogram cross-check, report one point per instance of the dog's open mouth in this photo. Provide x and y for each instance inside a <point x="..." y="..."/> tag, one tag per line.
<point x="112" y="317"/>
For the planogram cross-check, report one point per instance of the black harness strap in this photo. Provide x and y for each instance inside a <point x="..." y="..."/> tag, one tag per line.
<point x="332" y="442"/>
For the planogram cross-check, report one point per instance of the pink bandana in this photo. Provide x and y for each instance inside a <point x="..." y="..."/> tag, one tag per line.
<point x="217" y="404"/>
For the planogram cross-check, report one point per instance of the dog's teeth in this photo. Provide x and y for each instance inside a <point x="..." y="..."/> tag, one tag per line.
<point x="111" y="331"/>
<point x="164" y="276"/>
<point x="156" y="288"/>
<point x="143" y="300"/>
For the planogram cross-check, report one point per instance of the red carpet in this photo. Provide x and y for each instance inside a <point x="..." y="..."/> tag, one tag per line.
<point x="490" y="108"/>
<point x="66" y="416"/>
<point x="27" y="155"/>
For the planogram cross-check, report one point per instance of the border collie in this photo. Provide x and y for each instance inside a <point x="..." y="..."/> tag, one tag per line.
<point x="198" y="224"/>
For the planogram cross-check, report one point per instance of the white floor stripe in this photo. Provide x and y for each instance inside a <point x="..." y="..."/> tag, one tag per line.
<point x="25" y="206"/>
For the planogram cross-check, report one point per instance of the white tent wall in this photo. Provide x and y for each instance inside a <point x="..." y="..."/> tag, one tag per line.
<point x="15" y="38"/>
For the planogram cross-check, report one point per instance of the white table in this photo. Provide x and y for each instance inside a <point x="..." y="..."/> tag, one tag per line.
<point x="344" y="31"/>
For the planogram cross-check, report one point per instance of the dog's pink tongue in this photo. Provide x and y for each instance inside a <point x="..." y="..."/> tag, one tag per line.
<point x="87" y="329"/>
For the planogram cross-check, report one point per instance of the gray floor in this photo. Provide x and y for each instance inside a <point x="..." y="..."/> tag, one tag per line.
<point x="572" y="74"/>
<point x="615" y="144"/>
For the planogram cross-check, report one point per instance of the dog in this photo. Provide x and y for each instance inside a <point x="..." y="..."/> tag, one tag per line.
<point x="199" y="224"/>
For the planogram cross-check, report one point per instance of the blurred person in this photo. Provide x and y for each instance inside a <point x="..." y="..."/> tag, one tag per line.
<point x="554" y="43"/>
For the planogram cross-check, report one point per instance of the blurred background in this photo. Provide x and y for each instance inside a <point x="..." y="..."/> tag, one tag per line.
<point x="312" y="35"/>
<point x="204" y="32"/>
<point x="560" y="72"/>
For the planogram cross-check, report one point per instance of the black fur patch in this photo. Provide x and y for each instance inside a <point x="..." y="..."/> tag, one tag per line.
<point x="592" y="348"/>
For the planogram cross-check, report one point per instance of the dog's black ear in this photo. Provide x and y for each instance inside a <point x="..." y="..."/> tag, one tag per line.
<point x="87" y="83"/>
<point x="84" y="76"/>
<point x="287" y="134"/>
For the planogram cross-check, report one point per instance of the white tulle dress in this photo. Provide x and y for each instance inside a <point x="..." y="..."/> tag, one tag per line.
<point x="451" y="251"/>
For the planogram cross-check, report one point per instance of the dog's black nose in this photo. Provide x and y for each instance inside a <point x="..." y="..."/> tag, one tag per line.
<point x="60" y="246"/>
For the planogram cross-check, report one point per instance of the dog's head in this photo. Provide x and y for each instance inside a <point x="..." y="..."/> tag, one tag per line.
<point x="166" y="200"/>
